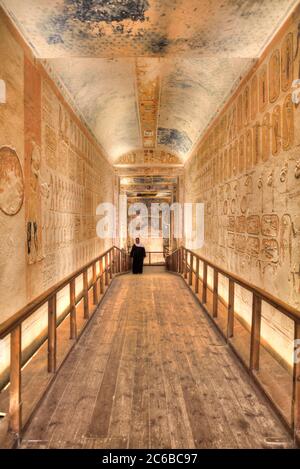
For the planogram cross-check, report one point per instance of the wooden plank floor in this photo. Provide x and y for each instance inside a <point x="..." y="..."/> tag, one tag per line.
<point x="151" y="371"/>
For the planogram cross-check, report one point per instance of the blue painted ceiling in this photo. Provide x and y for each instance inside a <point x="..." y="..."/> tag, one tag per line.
<point x="199" y="49"/>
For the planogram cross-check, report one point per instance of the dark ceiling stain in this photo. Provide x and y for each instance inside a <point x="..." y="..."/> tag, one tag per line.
<point x="158" y="44"/>
<point x="107" y="11"/>
<point x="55" y="39"/>
<point x="175" y="139"/>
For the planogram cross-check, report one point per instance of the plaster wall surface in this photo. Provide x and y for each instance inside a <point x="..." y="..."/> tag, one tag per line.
<point x="246" y="170"/>
<point x="52" y="177"/>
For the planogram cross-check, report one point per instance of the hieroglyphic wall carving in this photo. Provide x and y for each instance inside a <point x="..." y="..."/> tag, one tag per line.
<point x="148" y="156"/>
<point x="12" y="178"/>
<point x="52" y="177"/>
<point x="252" y="227"/>
<point x="77" y="178"/>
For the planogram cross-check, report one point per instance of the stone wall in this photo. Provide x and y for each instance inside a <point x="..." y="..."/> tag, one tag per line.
<point x="52" y="177"/>
<point x="246" y="169"/>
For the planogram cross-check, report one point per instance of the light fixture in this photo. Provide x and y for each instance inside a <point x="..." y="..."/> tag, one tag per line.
<point x="2" y="92"/>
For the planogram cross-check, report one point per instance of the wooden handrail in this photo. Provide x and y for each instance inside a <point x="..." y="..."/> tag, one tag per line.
<point x="181" y="261"/>
<point x="116" y="261"/>
<point x="7" y="326"/>
<point x="289" y="310"/>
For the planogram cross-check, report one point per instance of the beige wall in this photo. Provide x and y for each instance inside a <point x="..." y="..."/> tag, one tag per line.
<point x="63" y="177"/>
<point x="246" y="170"/>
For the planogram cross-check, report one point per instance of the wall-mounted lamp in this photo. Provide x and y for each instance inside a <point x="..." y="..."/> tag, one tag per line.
<point x="2" y="92"/>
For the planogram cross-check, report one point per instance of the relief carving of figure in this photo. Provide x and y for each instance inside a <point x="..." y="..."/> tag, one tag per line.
<point x="288" y="123"/>
<point x="286" y="235"/>
<point x="34" y="222"/>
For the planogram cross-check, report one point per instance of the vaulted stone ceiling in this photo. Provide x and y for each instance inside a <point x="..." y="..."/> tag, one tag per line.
<point x="148" y="74"/>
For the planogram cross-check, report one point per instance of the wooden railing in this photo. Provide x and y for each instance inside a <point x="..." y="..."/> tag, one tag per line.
<point x="149" y="260"/>
<point x="111" y="262"/>
<point x="194" y="269"/>
<point x="150" y="255"/>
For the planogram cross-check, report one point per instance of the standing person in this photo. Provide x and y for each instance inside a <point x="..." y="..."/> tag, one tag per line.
<point x="138" y="254"/>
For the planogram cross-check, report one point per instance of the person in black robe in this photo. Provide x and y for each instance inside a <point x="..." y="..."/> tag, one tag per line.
<point x="138" y="254"/>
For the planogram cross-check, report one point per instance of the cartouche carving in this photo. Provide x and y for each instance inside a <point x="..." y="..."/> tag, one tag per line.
<point x="276" y="130"/>
<point x="287" y="62"/>
<point x="274" y="76"/>
<point x="263" y="88"/>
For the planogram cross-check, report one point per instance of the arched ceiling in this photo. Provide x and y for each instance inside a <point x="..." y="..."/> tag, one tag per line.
<point x="148" y="74"/>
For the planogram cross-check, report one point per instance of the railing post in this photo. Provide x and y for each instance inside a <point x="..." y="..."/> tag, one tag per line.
<point x="73" y="323"/>
<point x="106" y="268"/>
<point x="255" y="332"/>
<point x="197" y="276"/>
<point x="112" y="255"/>
<point x="181" y="260"/>
<point x="215" y="294"/>
<point x="149" y="258"/>
<point x="120" y="261"/>
<point x="101" y="276"/>
<point x="110" y="264"/>
<point x="296" y="384"/>
<point x="15" y="402"/>
<point x="115" y="269"/>
<point x="191" y="269"/>
<point x="95" y="285"/>
<point x="85" y="294"/>
<point x="52" y="334"/>
<point x="230" y="317"/>
<point x="204" y="283"/>
<point x="127" y="262"/>
<point x="185" y="263"/>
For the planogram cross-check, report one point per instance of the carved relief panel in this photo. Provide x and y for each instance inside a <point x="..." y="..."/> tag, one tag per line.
<point x="241" y="154"/>
<point x="254" y="97"/>
<point x="288" y="123"/>
<point x="256" y="143"/>
<point x="266" y="137"/>
<point x="287" y="62"/>
<point x="246" y="106"/>
<point x="276" y="130"/>
<point x="274" y="76"/>
<point x="239" y="112"/>
<point x="263" y="88"/>
<point x="249" y="149"/>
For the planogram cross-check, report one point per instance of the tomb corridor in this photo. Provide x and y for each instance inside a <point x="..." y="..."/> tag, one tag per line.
<point x="173" y="129"/>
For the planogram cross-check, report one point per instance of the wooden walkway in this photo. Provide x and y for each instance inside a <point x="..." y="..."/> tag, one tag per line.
<point x="151" y="371"/>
